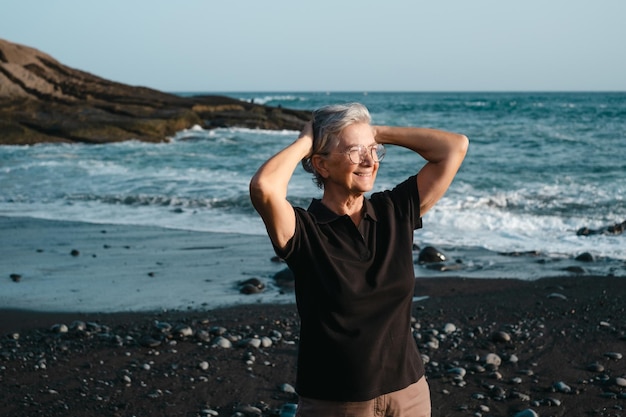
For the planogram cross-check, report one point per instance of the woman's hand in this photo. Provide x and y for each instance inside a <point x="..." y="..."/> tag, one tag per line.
<point x="306" y="134"/>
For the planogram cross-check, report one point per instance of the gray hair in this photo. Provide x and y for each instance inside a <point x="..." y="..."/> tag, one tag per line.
<point x="328" y="123"/>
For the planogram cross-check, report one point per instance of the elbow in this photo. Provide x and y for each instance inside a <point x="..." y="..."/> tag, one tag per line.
<point x="260" y="191"/>
<point x="462" y="145"/>
<point x="256" y="190"/>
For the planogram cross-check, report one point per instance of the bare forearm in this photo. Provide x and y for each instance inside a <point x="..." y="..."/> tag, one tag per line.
<point x="443" y="151"/>
<point x="274" y="175"/>
<point x="432" y="144"/>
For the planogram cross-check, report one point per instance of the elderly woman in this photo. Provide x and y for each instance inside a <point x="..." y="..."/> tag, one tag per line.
<point x="351" y="256"/>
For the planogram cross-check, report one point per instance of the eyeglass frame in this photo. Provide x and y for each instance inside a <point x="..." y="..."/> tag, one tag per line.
<point x="373" y="152"/>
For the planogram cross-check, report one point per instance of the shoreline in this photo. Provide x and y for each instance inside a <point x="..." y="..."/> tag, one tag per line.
<point x="58" y="265"/>
<point x="89" y="267"/>
<point x="427" y="290"/>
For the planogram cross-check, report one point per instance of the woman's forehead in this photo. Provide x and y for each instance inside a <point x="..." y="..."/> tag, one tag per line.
<point x="357" y="134"/>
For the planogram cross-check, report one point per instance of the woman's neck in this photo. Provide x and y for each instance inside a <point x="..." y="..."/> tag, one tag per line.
<point x="352" y="206"/>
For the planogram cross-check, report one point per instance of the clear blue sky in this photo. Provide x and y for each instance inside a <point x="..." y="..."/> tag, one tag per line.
<point x="332" y="45"/>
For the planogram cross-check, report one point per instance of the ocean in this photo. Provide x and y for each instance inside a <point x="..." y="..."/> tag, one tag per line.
<point x="540" y="167"/>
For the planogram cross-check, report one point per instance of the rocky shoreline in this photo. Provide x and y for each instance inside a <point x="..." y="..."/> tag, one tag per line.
<point x="42" y="100"/>
<point x="551" y="347"/>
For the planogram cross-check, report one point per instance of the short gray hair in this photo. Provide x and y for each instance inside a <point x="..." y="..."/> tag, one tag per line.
<point x="328" y="123"/>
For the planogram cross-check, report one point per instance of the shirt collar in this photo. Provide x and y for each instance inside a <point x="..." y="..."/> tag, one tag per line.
<point x="325" y="215"/>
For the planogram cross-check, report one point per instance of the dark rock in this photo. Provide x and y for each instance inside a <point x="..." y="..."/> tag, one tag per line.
<point x="574" y="269"/>
<point x="42" y="100"/>
<point x="277" y="259"/>
<point x="430" y="255"/>
<point x="585" y="257"/>
<point x="16" y="277"/>
<point x="285" y="279"/>
<point x="613" y="229"/>
<point x="251" y="286"/>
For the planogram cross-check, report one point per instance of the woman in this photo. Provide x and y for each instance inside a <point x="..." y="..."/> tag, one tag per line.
<point x="352" y="259"/>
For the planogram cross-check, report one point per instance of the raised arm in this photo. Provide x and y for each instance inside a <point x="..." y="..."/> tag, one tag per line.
<point x="443" y="151"/>
<point x="268" y="188"/>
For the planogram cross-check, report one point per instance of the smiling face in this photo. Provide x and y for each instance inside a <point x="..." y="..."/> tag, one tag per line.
<point x="341" y="176"/>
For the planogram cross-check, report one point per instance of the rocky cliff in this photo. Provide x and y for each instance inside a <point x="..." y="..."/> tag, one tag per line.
<point x="42" y="100"/>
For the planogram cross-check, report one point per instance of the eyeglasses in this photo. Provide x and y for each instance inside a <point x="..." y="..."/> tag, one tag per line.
<point x="358" y="153"/>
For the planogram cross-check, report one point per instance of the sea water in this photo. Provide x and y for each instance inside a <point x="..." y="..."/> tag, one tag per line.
<point x="540" y="167"/>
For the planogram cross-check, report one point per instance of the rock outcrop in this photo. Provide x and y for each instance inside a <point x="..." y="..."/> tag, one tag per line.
<point x="42" y="100"/>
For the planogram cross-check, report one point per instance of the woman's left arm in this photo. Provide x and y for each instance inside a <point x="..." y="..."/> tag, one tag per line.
<point x="443" y="151"/>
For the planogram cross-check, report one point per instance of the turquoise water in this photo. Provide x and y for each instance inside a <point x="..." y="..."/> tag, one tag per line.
<point x="540" y="167"/>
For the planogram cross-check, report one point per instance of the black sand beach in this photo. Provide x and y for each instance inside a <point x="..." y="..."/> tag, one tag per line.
<point x="560" y="342"/>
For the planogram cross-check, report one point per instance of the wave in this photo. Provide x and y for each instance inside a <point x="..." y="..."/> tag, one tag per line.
<point x="223" y="134"/>
<point x="239" y="203"/>
<point x="270" y="99"/>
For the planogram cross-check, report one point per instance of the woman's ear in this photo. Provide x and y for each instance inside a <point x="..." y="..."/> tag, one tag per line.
<point x="320" y="165"/>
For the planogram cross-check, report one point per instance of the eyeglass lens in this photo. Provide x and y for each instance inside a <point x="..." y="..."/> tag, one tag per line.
<point x="357" y="155"/>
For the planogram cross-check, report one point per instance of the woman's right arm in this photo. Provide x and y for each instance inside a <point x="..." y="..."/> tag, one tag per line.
<point x="268" y="188"/>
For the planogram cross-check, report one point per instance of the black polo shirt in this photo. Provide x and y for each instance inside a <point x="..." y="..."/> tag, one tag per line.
<point x="354" y="290"/>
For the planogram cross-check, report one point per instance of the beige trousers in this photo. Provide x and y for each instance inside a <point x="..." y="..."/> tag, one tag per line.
<point x="412" y="401"/>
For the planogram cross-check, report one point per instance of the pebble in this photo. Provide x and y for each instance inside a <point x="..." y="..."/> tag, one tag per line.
<point x="496" y="375"/>
<point x="149" y="341"/>
<point x="266" y="341"/>
<point x="520" y="395"/>
<point x="222" y="342"/>
<point x="249" y="410"/>
<point x="254" y="342"/>
<point x="251" y="286"/>
<point x="433" y="344"/>
<point x="557" y="295"/>
<point x="218" y="330"/>
<point x="492" y="359"/>
<point x="561" y="386"/>
<point x="555" y="402"/>
<point x="477" y="368"/>
<point x="449" y="328"/>
<point x="78" y="326"/>
<point x="458" y="371"/>
<point x="287" y="388"/>
<point x="163" y="326"/>
<point x="501" y="337"/>
<point x="183" y="331"/>
<point x="59" y="328"/>
<point x="613" y="355"/>
<point x="620" y="381"/>
<point x="595" y="367"/>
